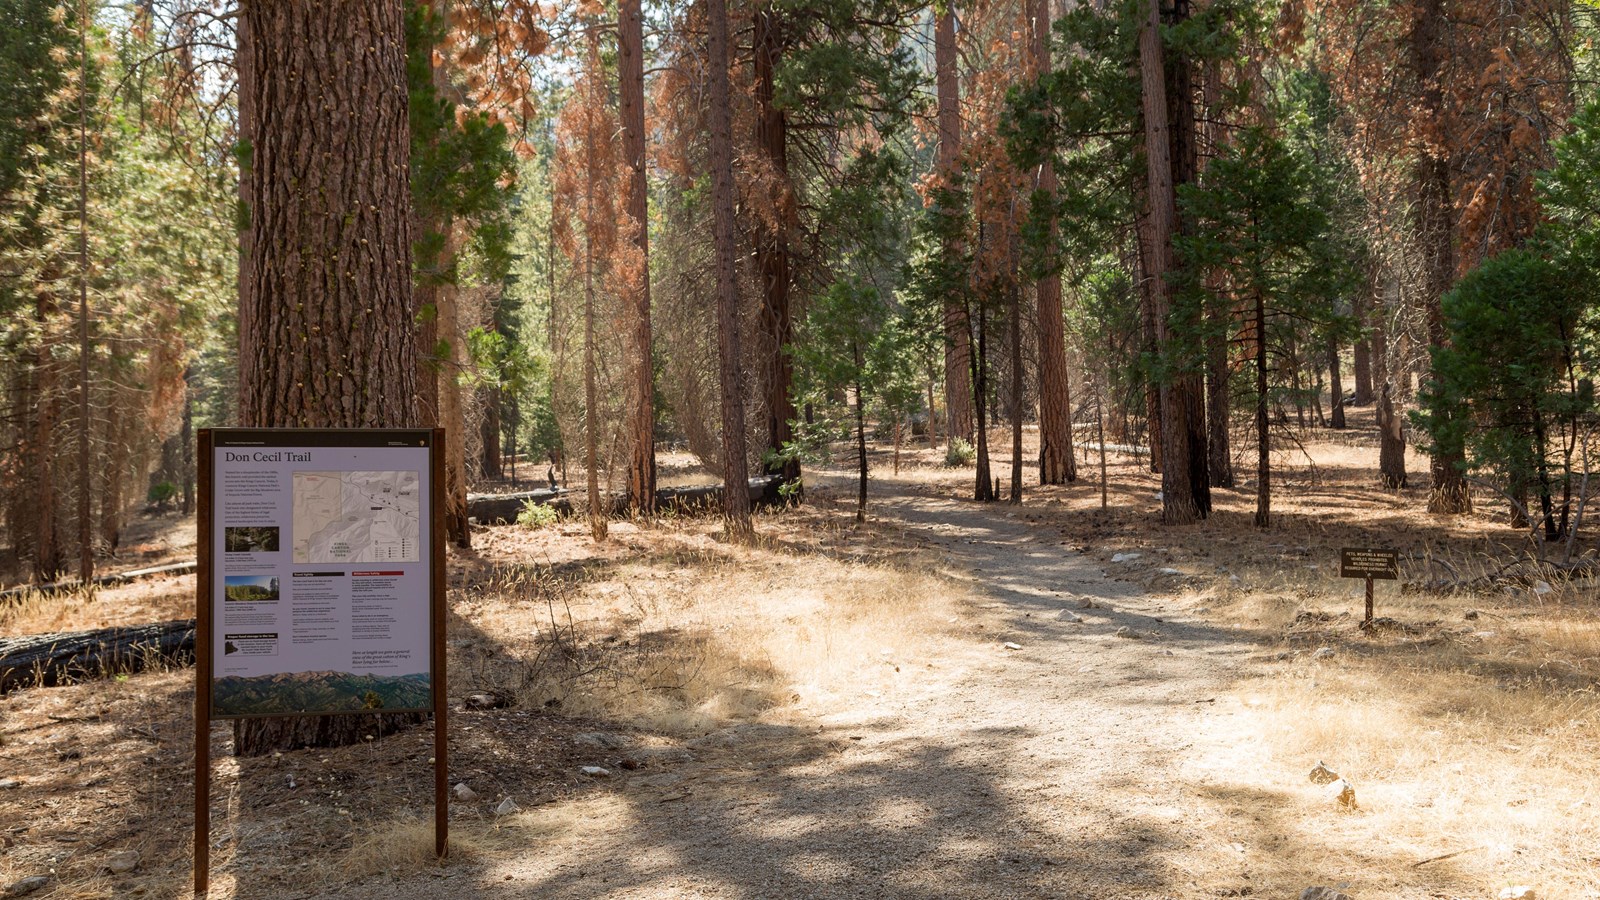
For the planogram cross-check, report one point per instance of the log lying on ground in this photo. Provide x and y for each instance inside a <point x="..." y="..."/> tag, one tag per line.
<point x="12" y="595"/>
<point x="502" y="509"/>
<point x="51" y="659"/>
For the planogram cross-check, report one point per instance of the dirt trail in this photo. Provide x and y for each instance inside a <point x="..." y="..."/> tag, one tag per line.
<point x="1076" y="766"/>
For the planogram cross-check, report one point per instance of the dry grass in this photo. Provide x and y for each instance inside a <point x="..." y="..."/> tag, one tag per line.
<point x="694" y="634"/>
<point x="1470" y="725"/>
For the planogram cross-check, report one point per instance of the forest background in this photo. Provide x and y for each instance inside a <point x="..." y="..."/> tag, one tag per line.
<point x="1177" y="226"/>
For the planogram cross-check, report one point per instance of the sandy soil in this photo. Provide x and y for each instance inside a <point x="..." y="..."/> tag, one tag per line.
<point x="1066" y="768"/>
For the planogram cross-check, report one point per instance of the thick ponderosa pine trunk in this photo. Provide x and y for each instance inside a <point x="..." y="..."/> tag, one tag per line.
<point x="1056" y="462"/>
<point x="984" y="487"/>
<point x="1186" y="350"/>
<point x="1436" y="234"/>
<point x="1178" y="490"/>
<point x="325" y="317"/>
<point x="735" y="468"/>
<point x="772" y="245"/>
<point x="1015" y="315"/>
<point x="957" y="330"/>
<point x="641" y="418"/>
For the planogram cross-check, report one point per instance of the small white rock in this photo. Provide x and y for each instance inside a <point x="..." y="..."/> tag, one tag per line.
<point x="1068" y="615"/>
<point x="1127" y="633"/>
<point x="1343" y="793"/>
<point x="507" y="807"/>
<point x="1520" y="892"/>
<point x="1323" y="893"/>
<point x="463" y="793"/>
<point x="1170" y="571"/>
<point x="595" y="771"/>
<point x="1542" y="587"/>
<point x="1323" y="653"/>
<point x="1012" y="645"/>
<point x="1126" y="557"/>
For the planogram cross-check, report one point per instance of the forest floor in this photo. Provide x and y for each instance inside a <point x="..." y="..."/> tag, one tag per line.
<point x="952" y="700"/>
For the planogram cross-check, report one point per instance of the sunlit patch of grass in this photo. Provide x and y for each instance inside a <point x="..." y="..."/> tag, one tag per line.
<point x="691" y="638"/>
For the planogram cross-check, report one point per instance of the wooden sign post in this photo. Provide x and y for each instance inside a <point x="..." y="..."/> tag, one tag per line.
<point x="320" y="587"/>
<point x="1369" y="563"/>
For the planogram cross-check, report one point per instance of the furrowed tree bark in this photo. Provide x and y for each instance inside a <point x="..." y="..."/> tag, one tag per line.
<point x="1056" y="462"/>
<point x="735" y="470"/>
<point x="325" y="318"/>
<point x="1183" y="345"/>
<point x="957" y="330"/>
<point x="1015" y="315"/>
<point x="1436" y="232"/>
<point x="1177" y="489"/>
<point x="641" y="419"/>
<point x="772" y="245"/>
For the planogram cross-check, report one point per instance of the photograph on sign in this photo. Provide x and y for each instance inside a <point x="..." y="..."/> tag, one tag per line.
<point x="321" y="593"/>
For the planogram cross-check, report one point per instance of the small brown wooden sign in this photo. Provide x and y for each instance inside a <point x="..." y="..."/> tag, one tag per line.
<point x="1369" y="562"/>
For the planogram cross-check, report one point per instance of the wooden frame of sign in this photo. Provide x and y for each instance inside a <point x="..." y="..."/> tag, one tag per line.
<point x="312" y="468"/>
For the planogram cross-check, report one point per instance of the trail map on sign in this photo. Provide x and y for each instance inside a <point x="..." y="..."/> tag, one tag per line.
<point x="356" y="517"/>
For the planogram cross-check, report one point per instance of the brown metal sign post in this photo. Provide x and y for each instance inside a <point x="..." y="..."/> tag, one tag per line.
<point x="1369" y="563"/>
<point x="320" y="555"/>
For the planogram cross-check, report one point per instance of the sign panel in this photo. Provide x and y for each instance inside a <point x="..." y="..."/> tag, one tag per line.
<point x="321" y="572"/>
<point x="1369" y="562"/>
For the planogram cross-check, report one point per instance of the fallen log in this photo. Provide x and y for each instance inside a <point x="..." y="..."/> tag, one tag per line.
<point x="36" y="660"/>
<point x="12" y="595"/>
<point x="502" y="509"/>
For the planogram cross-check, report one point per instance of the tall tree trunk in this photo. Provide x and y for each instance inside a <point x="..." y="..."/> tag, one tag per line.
<point x="772" y="244"/>
<point x="452" y="410"/>
<point x="984" y="488"/>
<point x="735" y="467"/>
<point x="1178" y="504"/>
<point x="598" y="520"/>
<point x="1147" y="322"/>
<point x="861" y="443"/>
<point x="1336" y="387"/>
<point x="325" y="317"/>
<point x="1362" y="361"/>
<point x="489" y="461"/>
<point x="1436" y="233"/>
<point x="1056" y="462"/>
<point x="957" y="330"/>
<point x="48" y="559"/>
<point x="1220" y="317"/>
<point x="641" y="418"/>
<point x="1218" y="404"/>
<point x="1016" y="393"/>
<point x="1263" y="516"/>
<point x="85" y="348"/>
<point x="186" y="434"/>
<point x="1182" y="346"/>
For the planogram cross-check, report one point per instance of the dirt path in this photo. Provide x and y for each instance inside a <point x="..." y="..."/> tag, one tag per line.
<point x="1067" y="768"/>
